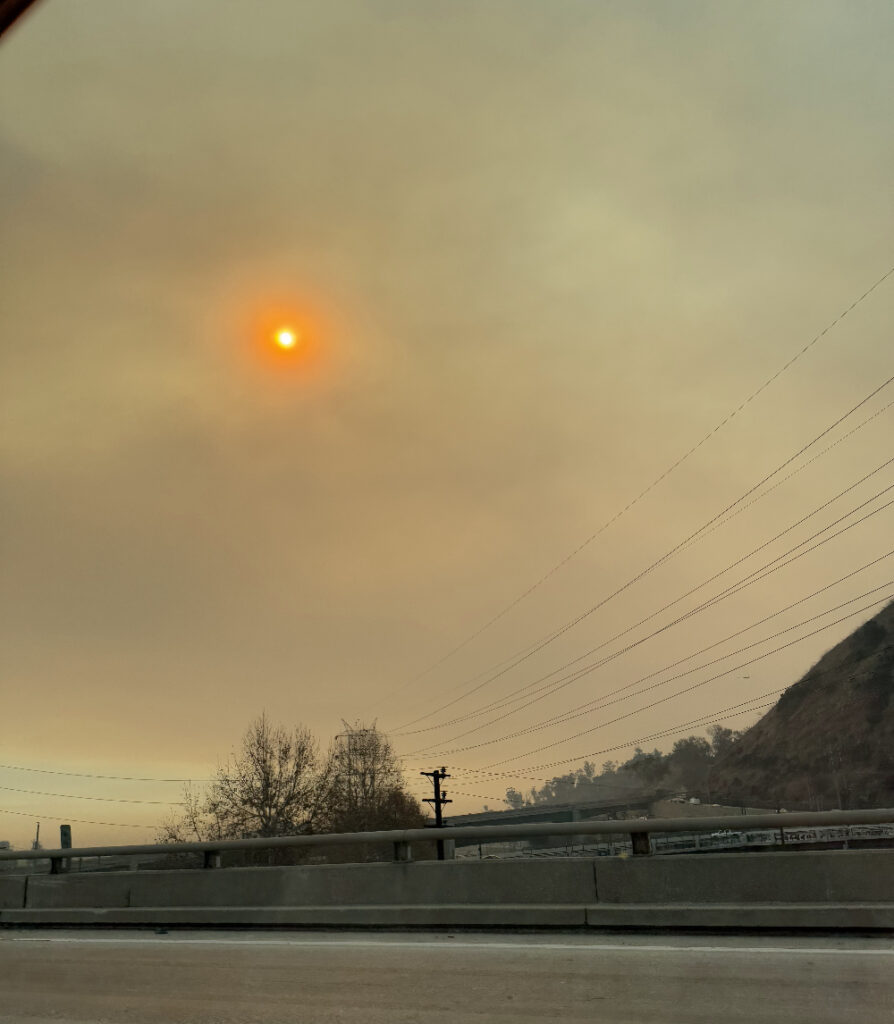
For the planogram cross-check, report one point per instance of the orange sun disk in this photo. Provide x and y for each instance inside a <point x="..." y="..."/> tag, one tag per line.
<point x="283" y="339"/>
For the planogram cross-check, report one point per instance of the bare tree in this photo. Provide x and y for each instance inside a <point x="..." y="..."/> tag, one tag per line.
<point x="274" y="785"/>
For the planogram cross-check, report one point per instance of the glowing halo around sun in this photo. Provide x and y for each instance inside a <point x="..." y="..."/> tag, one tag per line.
<point x="287" y="340"/>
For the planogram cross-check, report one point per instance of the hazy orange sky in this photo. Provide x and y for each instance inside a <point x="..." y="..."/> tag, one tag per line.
<point x="540" y="250"/>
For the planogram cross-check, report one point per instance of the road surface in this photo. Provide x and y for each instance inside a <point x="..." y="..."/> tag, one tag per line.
<point x="236" y="978"/>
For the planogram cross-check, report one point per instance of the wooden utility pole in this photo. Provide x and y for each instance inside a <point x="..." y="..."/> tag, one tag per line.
<point x="438" y="801"/>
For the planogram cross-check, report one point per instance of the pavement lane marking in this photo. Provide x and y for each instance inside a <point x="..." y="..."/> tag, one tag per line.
<point x="449" y="944"/>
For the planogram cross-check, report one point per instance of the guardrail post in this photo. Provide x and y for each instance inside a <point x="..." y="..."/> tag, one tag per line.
<point x="403" y="852"/>
<point x="65" y="844"/>
<point x="211" y="859"/>
<point x="57" y="865"/>
<point x="642" y="846"/>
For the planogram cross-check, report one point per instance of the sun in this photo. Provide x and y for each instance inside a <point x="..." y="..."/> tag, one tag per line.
<point x="286" y="337"/>
<point x="282" y="338"/>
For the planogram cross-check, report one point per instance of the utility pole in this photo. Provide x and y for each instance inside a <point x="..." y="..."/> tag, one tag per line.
<point x="438" y="801"/>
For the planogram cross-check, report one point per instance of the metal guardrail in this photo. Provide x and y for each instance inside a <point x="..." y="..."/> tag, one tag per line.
<point x="686" y="842"/>
<point x="638" y="830"/>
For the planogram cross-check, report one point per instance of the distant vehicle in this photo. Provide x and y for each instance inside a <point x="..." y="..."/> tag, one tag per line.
<point x="4" y="845"/>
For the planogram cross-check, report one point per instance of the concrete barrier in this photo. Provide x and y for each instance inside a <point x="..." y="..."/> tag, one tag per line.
<point x="425" y="882"/>
<point x="836" y="889"/>
<point x="12" y="892"/>
<point x="836" y="876"/>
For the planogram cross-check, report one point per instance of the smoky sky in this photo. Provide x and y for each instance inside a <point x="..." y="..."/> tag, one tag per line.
<point x="548" y="247"/>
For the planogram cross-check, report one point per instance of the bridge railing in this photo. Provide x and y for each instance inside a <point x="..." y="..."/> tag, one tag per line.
<point x="639" y="831"/>
<point x="842" y="836"/>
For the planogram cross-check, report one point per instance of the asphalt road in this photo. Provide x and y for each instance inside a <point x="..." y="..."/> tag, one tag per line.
<point x="236" y="978"/>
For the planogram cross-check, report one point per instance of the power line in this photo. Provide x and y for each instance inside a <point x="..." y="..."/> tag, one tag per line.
<point x="795" y="472"/>
<point x="478" y="796"/>
<point x="530" y="590"/>
<point x="79" y="821"/>
<point x="592" y="705"/>
<point x="550" y="638"/>
<point x="604" y="701"/>
<point x="715" y="717"/>
<point x="677" y="729"/>
<point x="519" y="692"/>
<point x="571" y="677"/>
<point x="552" y="688"/>
<point x="689" y="689"/>
<point x="756" y="576"/>
<point x="709" y="719"/>
<point x="571" y="624"/>
<point x="596" y="702"/>
<point x="770" y="567"/>
<point x="669" y="731"/>
<point x="89" y="775"/>
<point x="104" y="799"/>
<point x="505" y="661"/>
<point x="712" y="719"/>
<point x="722" y="674"/>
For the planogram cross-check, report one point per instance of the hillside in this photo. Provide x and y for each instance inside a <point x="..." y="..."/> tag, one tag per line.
<point x="829" y="740"/>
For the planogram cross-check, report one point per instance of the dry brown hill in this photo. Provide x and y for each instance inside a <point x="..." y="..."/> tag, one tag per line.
<point x="829" y="740"/>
